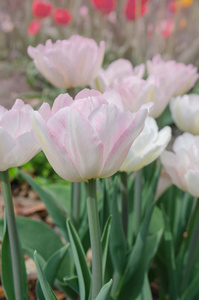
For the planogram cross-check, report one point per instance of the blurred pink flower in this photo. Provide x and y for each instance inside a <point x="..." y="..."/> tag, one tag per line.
<point x="62" y="16"/>
<point x="88" y="137"/>
<point x="182" y="164"/>
<point x="41" y="9"/>
<point x="175" y="78"/>
<point x="34" y="27"/>
<point x="18" y="144"/>
<point x="83" y="12"/>
<point x="69" y="63"/>
<point x="135" y="92"/>
<point x="116" y="70"/>
<point x="166" y="28"/>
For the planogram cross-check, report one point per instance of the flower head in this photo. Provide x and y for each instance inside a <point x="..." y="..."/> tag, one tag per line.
<point x="88" y="137"/>
<point x="18" y="144"/>
<point x="41" y="9"/>
<point x="180" y="78"/>
<point x="182" y="164"/>
<point x="104" y="6"/>
<point x="185" y="113"/>
<point x="62" y="16"/>
<point x="147" y="147"/>
<point x="34" y="27"/>
<point x="135" y="9"/>
<point x="69" y="63"/>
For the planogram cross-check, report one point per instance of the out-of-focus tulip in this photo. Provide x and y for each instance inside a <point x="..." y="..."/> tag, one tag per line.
<point x="34" y="27"/>
<point x="147" y="147"/>
<point x="104" y="6"/>
<point x="179" y="77"/>
<point x="69" y="63"/>
<point x="18" y="144"/>
<point x="41" y="9"/>
<point x="182" y="164"/>
<point x="89" y="137"/>
<point x="83" y="12"/>
<point x="185" y="113"/>
<point x="62" y="16"/>
<point x="173" y="6"/>
<point x="166" y="28"/>
<point x="116" y="70"/>
<point x="135" y="9"/>
<point x="135" y="92"/>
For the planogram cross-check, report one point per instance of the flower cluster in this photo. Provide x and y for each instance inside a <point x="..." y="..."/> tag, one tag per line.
<point x="41" y="10"/>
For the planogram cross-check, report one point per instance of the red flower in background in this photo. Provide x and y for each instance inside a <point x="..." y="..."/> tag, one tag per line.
<point x="62" y="16"/>
<point x="41" y="9"/>
<point x="34" y="27"/>
<point x="132" y="10"/>
<point x="104" y="6"/>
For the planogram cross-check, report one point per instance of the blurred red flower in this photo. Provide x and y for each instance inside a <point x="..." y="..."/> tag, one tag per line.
<point x="132" y="10"/>
<point x="41" y="9"/>
<point x="104" y="6"/>
<point x="34" y="27"/>
<point x="62" y="16"/>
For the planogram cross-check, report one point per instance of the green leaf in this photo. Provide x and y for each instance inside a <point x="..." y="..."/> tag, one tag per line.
<point x="7" y="270"/>
<point x="52" y="207"/>
<point x="51" y="268"/>
<point x="105" y="291"/>
<point x="192" y="290"/>
<point x="105" y="243"/>
<point x="73" y="283"/>
<point x="83" y="272"/>
<point x="61" y="193"/>
<point x="47" y="291"/>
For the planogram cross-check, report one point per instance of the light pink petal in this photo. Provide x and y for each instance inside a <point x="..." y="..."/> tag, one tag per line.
<point x="58" y="158"/>
<point x="192" y="182"/>
<point x="112" y="96"/>
<point x="3" y="111"/>
<point x="45" y="111"/>
<point x="61" y="101"/>
<point x="8" y="153"/>
<point x="74" y="132"/>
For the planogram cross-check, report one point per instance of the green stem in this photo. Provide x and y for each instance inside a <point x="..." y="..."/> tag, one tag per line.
<point x="125" y="204"/>
<point x="76" y="203"/>
<point x="13" y="236"/>
<point x="193" y="248"/>
<point x="137" y="201"/>
<point x="94" y="228"/>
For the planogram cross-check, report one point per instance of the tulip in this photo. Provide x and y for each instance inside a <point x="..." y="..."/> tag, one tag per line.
<point x="182" y="164"/>
<point x="89" y="137"/>
<point x="62" y="16"/>
<point x="69" y="63"/>
<point x="147" y="147"/>
<point x="34" y="27"/>
<point x="116" y="70"/>
<point x="104" y="6"/>
<point x="185" y="113"/>
<point x="175" y="78"/>
<point x="18" y="143"/>
<point x="41" y="9"/>
<point x="135" y="9"/>
<point x="135" y="92"/>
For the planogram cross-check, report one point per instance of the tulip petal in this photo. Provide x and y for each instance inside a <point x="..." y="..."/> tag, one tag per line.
<point x="7" y="150"/>
<point x="192" y="182"/>
<point x="58" y="159"/>
<point x="71" y="129"/>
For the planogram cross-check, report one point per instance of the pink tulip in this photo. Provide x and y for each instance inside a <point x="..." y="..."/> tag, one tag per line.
<point x="88" y="137"/>
<point x="116" y="70"/>
<point x="18" y="144"/>
<point x="173" y="76"/>
<point x="135" y="92"/>
<point x="182" y="164"/>
<point x="69" y="63"/>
